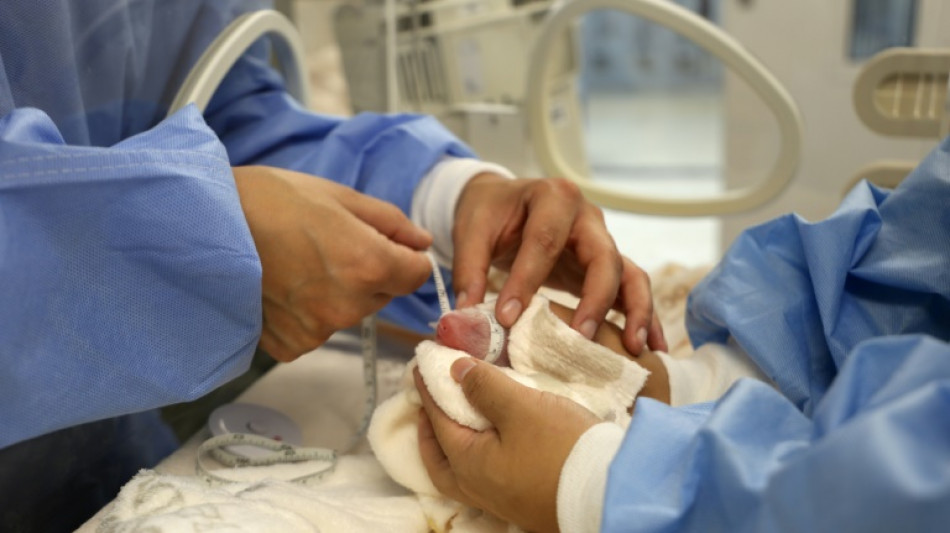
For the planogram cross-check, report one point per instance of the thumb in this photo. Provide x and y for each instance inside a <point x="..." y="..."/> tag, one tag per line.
<point x="488" y="389"/>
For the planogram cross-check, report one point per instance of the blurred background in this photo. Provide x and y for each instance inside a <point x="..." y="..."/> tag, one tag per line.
<point x="638" y="107"/>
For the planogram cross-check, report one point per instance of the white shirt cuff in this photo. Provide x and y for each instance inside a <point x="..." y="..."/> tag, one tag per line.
<point x="583" y="483"/>
<point x="708" y="373"/>
<point x="435" y="198"/>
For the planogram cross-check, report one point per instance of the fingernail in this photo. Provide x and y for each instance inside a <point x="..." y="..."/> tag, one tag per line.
<point x="461" y="299"/>
<point x="588" y="328"/>
<point x="510" y="312"/>
<point x="461" y="367"/>
<point x="642" y="335"/>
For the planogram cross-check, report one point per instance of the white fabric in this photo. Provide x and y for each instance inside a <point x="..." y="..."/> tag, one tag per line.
<point x="580" y="490"/>
<point x="704" y="376"/>
<point x="359" y="497"/>
<point x="545" y="354"/>
<point x="434" y="362"/>
<point x="708" y="373"/>
<point x="565" y="362"/>
<point x="435" y="198"/>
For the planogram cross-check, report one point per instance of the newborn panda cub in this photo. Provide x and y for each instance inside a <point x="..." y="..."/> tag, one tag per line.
<point x="476" y="332"/>
<point x="540" y="351"/>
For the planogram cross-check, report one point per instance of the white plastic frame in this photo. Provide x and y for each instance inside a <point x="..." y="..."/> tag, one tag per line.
<point x="928" y="117"/>
<point x="231" y="44"/>
<point x="713" y="40"/>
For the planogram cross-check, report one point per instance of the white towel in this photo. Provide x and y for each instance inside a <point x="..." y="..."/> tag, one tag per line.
<point x="360" y="496"/>
<point x="545" y="354"/>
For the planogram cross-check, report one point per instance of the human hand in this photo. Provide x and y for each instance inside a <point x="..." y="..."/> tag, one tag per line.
<point x="513" y="469"/>
<point x="543" y="231"/>
<point x="470" y="331"/>
<point x="330" y="255"/>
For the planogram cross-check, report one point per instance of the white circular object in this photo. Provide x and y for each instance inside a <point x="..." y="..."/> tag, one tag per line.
<point x="254" y="419"/>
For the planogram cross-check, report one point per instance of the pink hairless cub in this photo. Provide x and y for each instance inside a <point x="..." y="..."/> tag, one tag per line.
<point x="475" y="332"/>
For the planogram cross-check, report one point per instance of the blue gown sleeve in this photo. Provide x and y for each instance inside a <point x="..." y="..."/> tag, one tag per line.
<point x="873" y="457"/>
<point x="134" y="262"/>
<point x="384" y="156"/>
<point x="848" y="317"/>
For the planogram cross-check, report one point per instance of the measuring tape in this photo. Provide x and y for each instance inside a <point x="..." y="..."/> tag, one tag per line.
<point x="284" y="453"/>
<point x="496" y="333"/>
<point x="496" y="338"/>
<point x="439" y="285"/>
<point x="218" y="447"/>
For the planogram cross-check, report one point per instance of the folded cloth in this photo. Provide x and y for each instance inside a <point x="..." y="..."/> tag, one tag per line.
<point x="545" y="354"/>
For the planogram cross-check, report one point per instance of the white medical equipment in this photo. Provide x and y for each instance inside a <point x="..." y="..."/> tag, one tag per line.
<point x="902" y="92"/>
<point x="230" y="44"/>
<point x="466" y="58"/>
<point x="809" y="47"/>
<point x="541" y="110"/>
<point x="464" y="62"/>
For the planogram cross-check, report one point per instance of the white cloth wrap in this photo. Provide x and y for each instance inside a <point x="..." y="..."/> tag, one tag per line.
<point x="545" y="354"/>
<point x="361" y="496"/>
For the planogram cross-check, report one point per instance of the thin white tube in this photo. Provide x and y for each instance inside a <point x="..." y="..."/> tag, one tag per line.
<point x="392" y="83"/>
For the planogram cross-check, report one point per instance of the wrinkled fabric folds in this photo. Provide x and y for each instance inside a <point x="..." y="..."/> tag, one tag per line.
<point x="849" y="318"/>
<point x="127" y="272"/>
<point x="123" y="289"/>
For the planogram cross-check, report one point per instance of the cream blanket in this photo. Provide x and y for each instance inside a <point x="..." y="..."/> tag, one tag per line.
<point x="362" y="496"/>
<point x="545" y="354"/>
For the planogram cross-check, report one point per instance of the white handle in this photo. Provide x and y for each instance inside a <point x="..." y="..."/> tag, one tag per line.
<point x="230" y="45"/>
<point x="716" y="42"/>
<point x="904" y="92"/>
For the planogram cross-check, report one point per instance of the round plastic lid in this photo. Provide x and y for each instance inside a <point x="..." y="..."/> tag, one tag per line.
<point x="255" y="420"/>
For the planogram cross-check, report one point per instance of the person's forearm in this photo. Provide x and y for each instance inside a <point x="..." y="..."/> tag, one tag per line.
<point x="753" y="461"/>
<point x="130" y="279"/>
<point x="435" y="198"/>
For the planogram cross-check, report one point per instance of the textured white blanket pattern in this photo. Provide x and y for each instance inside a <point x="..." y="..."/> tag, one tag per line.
<point x="545" y="354"/>
<point x="361" y="496"/>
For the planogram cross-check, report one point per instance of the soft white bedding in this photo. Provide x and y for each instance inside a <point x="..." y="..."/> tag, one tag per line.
<point x="323" y="393"/>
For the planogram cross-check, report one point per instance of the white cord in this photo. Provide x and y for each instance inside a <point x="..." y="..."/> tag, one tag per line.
<point x="218" y="447"/>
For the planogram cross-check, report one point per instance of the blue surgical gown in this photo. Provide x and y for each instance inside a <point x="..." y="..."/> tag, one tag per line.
<point x="850" y="319"/>
<point x="128" y="276"/>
